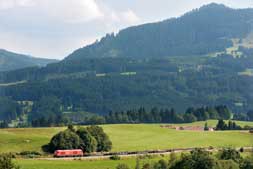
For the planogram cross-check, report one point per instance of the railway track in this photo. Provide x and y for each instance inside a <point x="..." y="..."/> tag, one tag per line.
<point x="99" y="156"/>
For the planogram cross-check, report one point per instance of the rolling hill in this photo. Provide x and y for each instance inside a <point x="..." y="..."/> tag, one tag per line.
<point x="12" y="61"/>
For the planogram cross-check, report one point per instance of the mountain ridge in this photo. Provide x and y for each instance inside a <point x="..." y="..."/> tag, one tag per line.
<point x="200" y="31"/>
<point x="10" y="61"/>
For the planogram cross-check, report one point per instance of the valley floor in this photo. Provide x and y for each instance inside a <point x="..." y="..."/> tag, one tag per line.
<point x="132" y="137"/>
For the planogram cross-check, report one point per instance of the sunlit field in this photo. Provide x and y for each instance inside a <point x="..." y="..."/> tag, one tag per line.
<point x="132" y="137"/>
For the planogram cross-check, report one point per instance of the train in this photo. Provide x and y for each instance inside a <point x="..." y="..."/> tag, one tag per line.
<point x="81" y="153"/>
<point x="69" y="153"/>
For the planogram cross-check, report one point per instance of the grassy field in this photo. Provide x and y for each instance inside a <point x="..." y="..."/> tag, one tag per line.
<point x="98" y="164"/>
<point x="77" y="164"/>
<point x="103" y="164"/>
<point x="132" y="137"/>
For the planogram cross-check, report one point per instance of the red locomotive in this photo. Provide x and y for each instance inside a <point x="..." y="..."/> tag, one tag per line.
<point x="68" y="153"/>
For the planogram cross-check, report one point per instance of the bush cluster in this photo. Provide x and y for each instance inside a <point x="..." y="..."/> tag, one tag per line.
<point x="199" y="159"/>
<point x="90" y="139"/>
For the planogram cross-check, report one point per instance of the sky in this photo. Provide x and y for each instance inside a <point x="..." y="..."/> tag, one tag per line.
<point x="55" y="28"/>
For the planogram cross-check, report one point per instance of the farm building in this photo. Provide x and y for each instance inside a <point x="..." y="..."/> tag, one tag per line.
<point x="194" y="128"/>
<point x="190" y="128"/>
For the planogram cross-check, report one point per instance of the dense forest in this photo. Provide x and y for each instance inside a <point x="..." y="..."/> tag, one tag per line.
<point x="49" y="112"/>
<point x="162" y="83"/>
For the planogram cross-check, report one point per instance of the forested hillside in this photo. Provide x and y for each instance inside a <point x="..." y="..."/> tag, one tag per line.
<point x="203" y="58"/>
<point x="12" y="61"/>
<point x="199" y="32"/>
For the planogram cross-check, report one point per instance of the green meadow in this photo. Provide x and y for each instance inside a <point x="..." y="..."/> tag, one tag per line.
<point x="100" y="164"/>
<point x="78" y="164"/>
<point x="132" y="137"/>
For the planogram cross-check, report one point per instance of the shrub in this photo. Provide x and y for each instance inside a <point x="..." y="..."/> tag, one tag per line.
<point x="197" y="159"/>
<point x="247" y="163"/>
<point x="227" y="164"/>
<point x="30" y="154"/>
<point x="230" y="154"/>
<point x="115" y="157"/>
<point x="162" y="164"/>
<point x="6" y="162"/>
<point x="122" y="166"/>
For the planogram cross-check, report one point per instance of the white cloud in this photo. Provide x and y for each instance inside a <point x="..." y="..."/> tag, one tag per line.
<point x="130" y="17"/>
<point x="8" y="4"/>
<point x="76" y="11"/>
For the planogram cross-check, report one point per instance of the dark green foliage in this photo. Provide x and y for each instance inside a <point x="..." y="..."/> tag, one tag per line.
<point x="103" y="141"/>
<point x="4" y="124"/>
<point x="138" y="165"/>
<point x="30" y="154"/>
<point x="89" y="143"/>
<point x="9" y="110"/>
<point x="173" y="159"/>
<point x="156" y="115"/>
<point x="201" y="159"/>
<point x="227" y="164"/>
<point x="197" y="159"/>
<point x="115" y="157"/>
<point x="161" y="164"/>
<point x="223" y="112"/>
<point x="221" y="125"/>
<point x="122" y="166"/>
<point x="65" y="140"/>
<point x="230" y="126"/>
<point x="250" y="115"/>
<point x="47" y="112"/>
<point x="71" y="128"/>
<point x="147" y="166"/>
<point x="90" y="139"/>
<point x="6" y="162"/>
<point x="230" y="154"/>
<point x="247" y="163"/>
<point x="206" y="128"/>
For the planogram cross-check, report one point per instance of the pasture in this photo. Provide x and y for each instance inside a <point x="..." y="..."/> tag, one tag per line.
<point x="132" y="137"/>
<point x="100" y="164"/>
<point x="92" y="164"/>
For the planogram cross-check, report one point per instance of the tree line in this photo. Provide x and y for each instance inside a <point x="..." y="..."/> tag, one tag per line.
<point x="49" y="111"/>
<point x="156" y="115"/>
